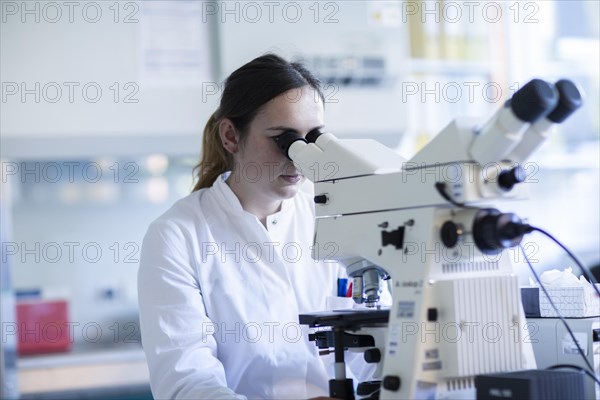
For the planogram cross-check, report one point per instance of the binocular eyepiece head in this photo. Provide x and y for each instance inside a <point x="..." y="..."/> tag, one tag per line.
<point x="287" y="138"/>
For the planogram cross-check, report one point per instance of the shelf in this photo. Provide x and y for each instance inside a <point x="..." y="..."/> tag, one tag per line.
<point x="83" y="371"/>
<point x="446" y="67"/>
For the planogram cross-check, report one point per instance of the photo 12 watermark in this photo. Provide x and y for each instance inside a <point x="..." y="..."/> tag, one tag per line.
<point x="70" y="172"/>
<point x="454" y="12"/>
<point x="465" y="172"/>
<point x="212" y="91"/>
<point x="466" y="256"/>
<point x="266" y="252"/>
<point x="56" y="12"/>
<point x="253" y="12"/>
<point x="72" y="252"/>
<point x="254" y="332"/>
<point x="455" y="91"/>
<point x="71" y="332"/>
<point x="466" y="332"/>
<point x="254" y="172"/>
<point x="70" y="92"/>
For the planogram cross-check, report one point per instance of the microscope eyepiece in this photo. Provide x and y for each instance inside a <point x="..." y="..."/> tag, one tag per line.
<point x="569" y="101"/>
<point x="313" y="135"/>
<point x="503" y="133"/>
<point x="534" y="100"/>
<point x="285" y="140"/>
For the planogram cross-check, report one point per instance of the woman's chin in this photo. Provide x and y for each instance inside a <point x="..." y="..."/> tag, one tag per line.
<point x="288" y="189"/>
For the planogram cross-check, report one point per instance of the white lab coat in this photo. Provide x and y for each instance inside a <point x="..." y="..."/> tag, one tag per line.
<point x="220" y="296"/>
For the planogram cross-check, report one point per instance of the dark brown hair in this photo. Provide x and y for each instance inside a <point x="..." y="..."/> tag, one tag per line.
<point x="245" y="91"/>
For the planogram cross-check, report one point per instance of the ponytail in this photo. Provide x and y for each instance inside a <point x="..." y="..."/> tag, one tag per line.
<point x="214" y="159"/>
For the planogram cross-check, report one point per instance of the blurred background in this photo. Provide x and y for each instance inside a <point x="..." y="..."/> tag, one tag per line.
<point x="102" y="111"/>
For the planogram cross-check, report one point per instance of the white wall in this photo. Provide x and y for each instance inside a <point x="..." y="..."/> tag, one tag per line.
<point x="327" y="29"/>
<point x="65" y="54"/>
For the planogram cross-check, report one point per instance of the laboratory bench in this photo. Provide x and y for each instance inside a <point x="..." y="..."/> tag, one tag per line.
<point x="86" y="372"/>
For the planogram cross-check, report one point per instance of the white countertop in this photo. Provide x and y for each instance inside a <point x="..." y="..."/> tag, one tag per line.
<point x="83" y="369"/>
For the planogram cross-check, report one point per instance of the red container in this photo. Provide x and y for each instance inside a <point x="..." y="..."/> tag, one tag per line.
<point x="43" y="327"/>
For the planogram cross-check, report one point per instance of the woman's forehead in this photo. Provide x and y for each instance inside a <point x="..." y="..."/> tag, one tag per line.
<point x="300" y="105"/>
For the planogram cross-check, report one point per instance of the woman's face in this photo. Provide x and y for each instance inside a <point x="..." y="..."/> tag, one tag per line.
<point x="261" y="170"/>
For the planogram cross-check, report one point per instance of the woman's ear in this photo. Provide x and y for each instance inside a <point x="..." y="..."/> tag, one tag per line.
<point x="229" y="136"/>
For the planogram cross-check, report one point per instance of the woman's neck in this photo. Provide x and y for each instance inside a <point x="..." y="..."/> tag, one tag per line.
<point x="253" y="201"/>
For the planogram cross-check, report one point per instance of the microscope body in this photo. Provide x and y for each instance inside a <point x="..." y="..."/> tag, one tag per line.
<point x="426" y="224"/>
<point x="456" y="311"/>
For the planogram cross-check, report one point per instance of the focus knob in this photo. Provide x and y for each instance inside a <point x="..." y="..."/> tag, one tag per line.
<point x="321" y="199"/>
<point x="368" y="388"/>
<point x="372" y="356"/>
<point x="508" y="179"/>
<point x="494" y="231"/>
<point x="391" y="382"/>
<point x="451" y="233"/>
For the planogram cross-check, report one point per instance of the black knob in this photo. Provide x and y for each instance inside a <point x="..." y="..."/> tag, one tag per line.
<point x="372" y="356"/>
<point x="432" y="314"/>
<point x="368" y="388"/>
<point x="509" y="178"/>
<point x="494" y="231"/>
<point x="321" y="199"/>
<point x="450" y="233"/>
<point x="391" y="382"/>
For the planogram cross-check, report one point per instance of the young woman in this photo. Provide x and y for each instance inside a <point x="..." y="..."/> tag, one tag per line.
<point x="226" y="271"/>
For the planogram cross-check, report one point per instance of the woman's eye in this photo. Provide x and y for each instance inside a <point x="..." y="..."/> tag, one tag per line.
<point x="282" y="134"/>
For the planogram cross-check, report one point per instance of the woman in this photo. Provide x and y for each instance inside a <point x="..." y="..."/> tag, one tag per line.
<point x="226" y="271"/>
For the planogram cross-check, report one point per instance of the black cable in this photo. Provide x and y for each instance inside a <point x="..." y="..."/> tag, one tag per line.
<point x="577" y="367"/>
<point x="579" y="349"/>
<point x="441" y="188"/>
<point x="525" y="228"/>
<point x="575" y="259"/>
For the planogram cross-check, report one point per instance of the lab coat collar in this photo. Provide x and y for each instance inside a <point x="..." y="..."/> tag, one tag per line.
<point x="235" y="207"/>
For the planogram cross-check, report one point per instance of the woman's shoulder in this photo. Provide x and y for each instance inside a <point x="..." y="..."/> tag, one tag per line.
<point x="185" y="214"/>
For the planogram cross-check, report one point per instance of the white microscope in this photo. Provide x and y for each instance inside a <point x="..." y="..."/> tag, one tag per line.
<point x="424" y="224"/>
